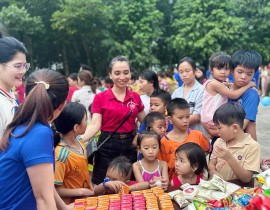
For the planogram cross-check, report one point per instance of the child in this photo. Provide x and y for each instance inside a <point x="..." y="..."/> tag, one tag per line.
<point x="216" y="93"/>
<point x="158" y="102"/>
<point x="155" y="121"/>
<point x="26" y="147"/>
<point x="150" y="168"/>
<point x="244" y="64"/>
<point x="179" y="116"/>
<point x="118" y="174"/>
<point x="71" y="174"/>
<point x="236" y="155"/>
<point x="190" y="163"/>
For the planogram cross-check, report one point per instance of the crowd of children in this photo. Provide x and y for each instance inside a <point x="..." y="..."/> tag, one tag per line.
<point x="173" y="141"/>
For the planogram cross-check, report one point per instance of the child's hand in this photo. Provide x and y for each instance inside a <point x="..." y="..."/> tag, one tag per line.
<point x="115" y="186"/>
<point x="164" y="183"/>
<point x="252" y="84"/>
<point x="154" y="182"/>
<point x="228" y="84"/>
<point x="223" y="152"/>
<point x="86" y="192"/>
<point x="265" y="163"/>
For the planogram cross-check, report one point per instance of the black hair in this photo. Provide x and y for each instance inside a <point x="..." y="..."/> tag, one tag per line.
<point x="72" y="114"/>
<point x="108" y="80"/>
<point x="9" y="47"/>
<point x="148" y="134"/>
<point x="220" y="60"/>
<point x="134" y="76"/>
<point x="163" y="95"/>
<point x="195" y="155"/>
<point x="247" y="58"/>
<point x="161" y="74"/>
<point x="188" y="60"/>
<point x="119" y="58"/>
<point x="122" y="165"/>
<point x="151" y="77"/>
<point x="230" y="113"/>
<point x="73" y="76"/>
<point x="84" y="67"/>
<point x="151" y="117"/>
<point x="177" y="103"/>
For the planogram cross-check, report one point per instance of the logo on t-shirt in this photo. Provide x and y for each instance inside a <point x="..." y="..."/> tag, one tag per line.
<point x="131" y="105"/>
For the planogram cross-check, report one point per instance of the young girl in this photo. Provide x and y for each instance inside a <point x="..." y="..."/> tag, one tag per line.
<point x="216" y="92"/>
<point x="190" y="163"/>
<point x="71" y="173"/>
<point x="153" y="121"/>
<point x="150" y="169"/>
<point x="26" y="147"/>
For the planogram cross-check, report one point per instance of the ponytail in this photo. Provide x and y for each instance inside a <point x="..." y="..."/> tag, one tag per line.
<point x="45" y="90"/>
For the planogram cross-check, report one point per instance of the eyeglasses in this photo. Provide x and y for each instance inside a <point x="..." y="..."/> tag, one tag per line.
<point x="19" y="66"/>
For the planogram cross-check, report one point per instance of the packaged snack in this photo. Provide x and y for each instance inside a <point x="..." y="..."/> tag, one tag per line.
<point x="181" y="200"/>
<point x="216" y="183"/>
<point x="124" y="189"/>
<point x="190" y="192"/>
<point x="175" y="192"/>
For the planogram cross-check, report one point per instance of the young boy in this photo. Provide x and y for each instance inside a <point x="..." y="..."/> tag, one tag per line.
<point x="158" y="102"/>
<point x="179" y="114"/>
<point x="118" y="175"/>
<point x="236" y="155"/>
<point x="244" y="64"/>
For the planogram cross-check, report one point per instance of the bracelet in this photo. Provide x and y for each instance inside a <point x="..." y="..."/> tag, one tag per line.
<point x="107" y="179"/>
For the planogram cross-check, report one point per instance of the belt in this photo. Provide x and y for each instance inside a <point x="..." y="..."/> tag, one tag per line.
<point x="119" y="135"/>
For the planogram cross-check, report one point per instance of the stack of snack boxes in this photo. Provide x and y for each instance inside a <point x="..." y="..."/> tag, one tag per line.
<point x="153" y="199"/>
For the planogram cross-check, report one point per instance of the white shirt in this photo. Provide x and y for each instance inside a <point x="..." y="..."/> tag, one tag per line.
<point x="7" y="109"/>
<point x="146" y="102"/>
<point x="84" y="96"/>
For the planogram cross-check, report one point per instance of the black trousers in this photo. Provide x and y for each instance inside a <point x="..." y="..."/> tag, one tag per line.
<point x="119" y="144"/>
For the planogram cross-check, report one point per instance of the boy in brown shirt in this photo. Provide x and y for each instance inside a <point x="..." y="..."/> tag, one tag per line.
<point x="236" y="154"/>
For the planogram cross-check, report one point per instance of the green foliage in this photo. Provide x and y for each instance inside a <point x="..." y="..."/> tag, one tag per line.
<point x="135" y="32"/>
<point x="149" y="32"/>
<point x="19" y="20"/>
<point x="203" y="27"/>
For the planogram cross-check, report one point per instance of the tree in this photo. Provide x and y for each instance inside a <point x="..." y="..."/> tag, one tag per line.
<point x="84" y="25"/>
<point x="21" y="25"/>
<point x="203" y="27"/>
<point x="135" y="31"/>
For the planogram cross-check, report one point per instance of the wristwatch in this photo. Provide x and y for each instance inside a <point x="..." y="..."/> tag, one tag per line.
<point x="107" y="179"/>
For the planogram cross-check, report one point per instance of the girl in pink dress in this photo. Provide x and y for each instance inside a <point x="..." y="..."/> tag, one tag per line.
<point x="150" y="169"/>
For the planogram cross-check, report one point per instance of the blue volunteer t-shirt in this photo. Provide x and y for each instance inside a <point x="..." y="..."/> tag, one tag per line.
<point x="36" y="147"/>
<point x="250" y="101"/>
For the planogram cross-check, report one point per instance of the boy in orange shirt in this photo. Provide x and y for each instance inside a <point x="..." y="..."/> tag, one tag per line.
<point x="179" y="114"/>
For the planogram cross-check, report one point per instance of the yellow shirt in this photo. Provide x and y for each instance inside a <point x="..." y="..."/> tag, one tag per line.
<point x="71" y="168"/>
<point x="247" y="153"/>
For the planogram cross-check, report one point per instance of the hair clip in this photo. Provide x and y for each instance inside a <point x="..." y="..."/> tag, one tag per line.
<point x="47" y="86"/>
